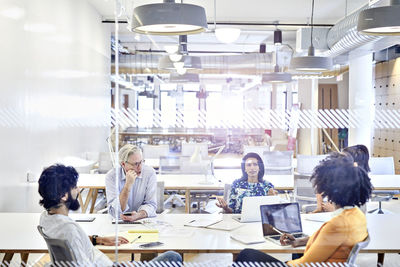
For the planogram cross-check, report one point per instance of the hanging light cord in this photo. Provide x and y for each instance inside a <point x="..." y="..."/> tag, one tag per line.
<point x="312" y="22"/>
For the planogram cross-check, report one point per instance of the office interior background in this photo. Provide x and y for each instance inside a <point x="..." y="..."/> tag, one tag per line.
<point x="74" y="82"/>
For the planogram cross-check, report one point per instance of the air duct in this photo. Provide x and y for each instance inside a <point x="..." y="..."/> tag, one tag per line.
<point x="344" y="37"/>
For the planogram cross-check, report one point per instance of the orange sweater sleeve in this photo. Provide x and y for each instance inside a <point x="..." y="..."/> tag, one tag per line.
<point x="323" y="243"/>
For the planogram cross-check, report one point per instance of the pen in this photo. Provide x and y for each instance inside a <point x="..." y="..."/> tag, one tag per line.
<point x="192" y="221"/>
<point x="279" y="232"/>
<point x="137" y="238"/>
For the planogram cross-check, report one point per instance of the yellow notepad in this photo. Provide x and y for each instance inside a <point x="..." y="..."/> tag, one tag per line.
<point x="145" y="237"/>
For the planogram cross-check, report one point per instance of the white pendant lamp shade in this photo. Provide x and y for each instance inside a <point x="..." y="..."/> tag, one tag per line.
<point x="311" y="62"/>
<point x="227" y="35"/>
<point x="380" y="20"/>
<point x="169" y="18"/>
<point x="276" y="77"/>
<point x="189" y="62"/>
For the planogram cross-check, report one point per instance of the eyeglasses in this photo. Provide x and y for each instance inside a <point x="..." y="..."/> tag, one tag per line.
<point x="135" y="164"/>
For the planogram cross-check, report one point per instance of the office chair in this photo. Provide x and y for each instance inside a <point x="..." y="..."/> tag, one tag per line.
<point x="351" y="260"/>
<point x="59" y="249"/>
<point x="278" y="162"/>
<point x="382" y="166"/>
<point x="304" y="193"/>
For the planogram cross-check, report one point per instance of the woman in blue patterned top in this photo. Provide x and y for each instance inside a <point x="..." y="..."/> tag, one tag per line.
<point x="250" y="185"/>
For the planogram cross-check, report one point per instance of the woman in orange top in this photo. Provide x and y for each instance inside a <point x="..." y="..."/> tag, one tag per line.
<point x="347" y="186"/>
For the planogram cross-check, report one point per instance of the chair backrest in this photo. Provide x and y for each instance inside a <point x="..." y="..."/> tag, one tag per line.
<point x="105" y="162"/>
<point x="155" y="152"/>
<point x="188" y="149"/>
<point x="303" y="192"/>
<point x="169" y="164"/>
<point x="227" y="192"/>
<point x="351" y="260"/>
<point x="278" y="162"/>
<point x="381" y="165"/>
<point x="59" y="249"/>
<point x="160" y="196"/>
<point x="307" y="163"/>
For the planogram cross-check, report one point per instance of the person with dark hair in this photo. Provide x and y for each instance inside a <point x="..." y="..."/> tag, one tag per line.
<point x="59" y="192"/>
<point x="348" y="186"/>
<point x="360" y="155"/>
<point x="251" y="184"/>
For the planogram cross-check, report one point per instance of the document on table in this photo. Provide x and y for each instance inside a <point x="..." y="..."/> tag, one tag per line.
<point x="318" y="217"/>
<point x="247" y="239"/>
<point x="145" y="237"/>
<point x="202" y="222"/>
<point x="226" y="225"/>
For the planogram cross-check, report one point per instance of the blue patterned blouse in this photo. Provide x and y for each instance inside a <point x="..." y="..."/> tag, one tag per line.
<point x="242" y="188"/>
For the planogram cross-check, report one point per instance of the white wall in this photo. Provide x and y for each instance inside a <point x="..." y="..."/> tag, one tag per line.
<point x="55" y="96"/>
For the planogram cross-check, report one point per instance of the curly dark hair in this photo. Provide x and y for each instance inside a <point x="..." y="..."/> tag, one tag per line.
<point x="260" y="166"/>
<point x="54" y="182"/>
<point x="360" y="155"/>
<point x="341" y="181"/>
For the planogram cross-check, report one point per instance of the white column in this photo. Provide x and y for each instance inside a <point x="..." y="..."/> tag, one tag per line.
<point x="361" y="99"/>
<point x="307" y="139"/>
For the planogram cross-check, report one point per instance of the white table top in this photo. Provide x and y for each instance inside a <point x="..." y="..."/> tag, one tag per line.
<point x="19" y="234"/>
<point x="195" y="181"/>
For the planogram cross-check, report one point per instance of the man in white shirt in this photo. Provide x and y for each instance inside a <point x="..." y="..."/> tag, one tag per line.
<point x="59" y="192"/>
<point x="136" y="189"/>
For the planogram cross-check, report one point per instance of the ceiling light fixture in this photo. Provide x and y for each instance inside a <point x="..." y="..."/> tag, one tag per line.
<point x="311" y="62"/>
<point x="169" y="18"/>
<point x="181" y="71"/>
<point x="227" y="35"/>
<point x="171" y="49"/>
<point x="277" y="76"/>
<point x="383" y="20"/>
<point x="175" y="57"/>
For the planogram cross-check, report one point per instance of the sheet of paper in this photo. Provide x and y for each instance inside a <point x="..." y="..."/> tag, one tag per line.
<point x="226" y="225"/>
<point x="144" y="237"/>
<point x="248" y="239"/>
<point x="202" y="222"/>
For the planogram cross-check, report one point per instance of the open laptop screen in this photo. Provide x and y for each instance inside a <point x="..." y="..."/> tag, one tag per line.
<point x="285" y="217"/>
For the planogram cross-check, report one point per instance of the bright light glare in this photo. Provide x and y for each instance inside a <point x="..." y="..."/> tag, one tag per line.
<point x="181" y="71"/>
<point x="227" y="35"/>
<point x="171" y="49"/>
<point x="175" y="57"/>
<point x="13" y="12"/>
<point x="179" y="65"/>
<point x="40" y="27"/>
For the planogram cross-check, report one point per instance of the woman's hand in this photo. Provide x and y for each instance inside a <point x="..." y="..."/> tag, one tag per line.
<point x="110" y="240"/>
<point x="328" y="206"/>
<point x="222" y="204"/>
<point x="288" y="239"/>
<point x="272" y="192"/>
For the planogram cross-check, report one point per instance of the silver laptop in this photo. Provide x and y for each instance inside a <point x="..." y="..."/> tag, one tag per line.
<point x="285" y="217"/>
<point x="251" y="207"/>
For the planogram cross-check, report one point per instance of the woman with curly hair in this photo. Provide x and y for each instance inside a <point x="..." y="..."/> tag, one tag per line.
<point x="347" y="186"/>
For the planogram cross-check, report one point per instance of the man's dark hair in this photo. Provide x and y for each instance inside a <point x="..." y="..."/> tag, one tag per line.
<point x="260" y="166"/>
<point x="360" y="155"/>
<point x="342" y="181"/>
<point x="54" y="182"/>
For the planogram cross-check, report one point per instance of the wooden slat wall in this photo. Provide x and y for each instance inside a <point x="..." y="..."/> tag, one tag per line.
<point x="328" y="99"/>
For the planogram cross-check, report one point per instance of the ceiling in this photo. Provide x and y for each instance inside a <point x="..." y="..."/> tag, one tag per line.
<point x="255" y="18"/>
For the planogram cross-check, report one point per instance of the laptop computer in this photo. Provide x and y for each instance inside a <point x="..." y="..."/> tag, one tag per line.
<point x="285" y="217"/>
<point x="251" y="207"/>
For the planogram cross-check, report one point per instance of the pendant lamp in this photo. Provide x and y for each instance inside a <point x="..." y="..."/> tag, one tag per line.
<point x="383" y="20"/>
<point x="311" y="62"/>
<point x="169" y="18"/>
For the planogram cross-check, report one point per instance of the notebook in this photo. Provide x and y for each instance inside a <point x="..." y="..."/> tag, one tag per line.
<point x="248" y="239"/>
<point x="203" y="223"/>
<point x="251" y="210"/>
<point x="285" y="217"/>
<point x="141" y="236"/>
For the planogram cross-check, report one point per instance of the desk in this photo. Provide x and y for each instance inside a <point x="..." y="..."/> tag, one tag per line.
<point x="19" y="234"/>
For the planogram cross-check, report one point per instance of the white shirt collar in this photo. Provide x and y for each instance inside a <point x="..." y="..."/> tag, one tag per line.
<point x="338" y="211"/>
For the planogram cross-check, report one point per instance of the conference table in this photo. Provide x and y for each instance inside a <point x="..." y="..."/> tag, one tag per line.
<point x="184" y="182"/>
<point x="192" y="182"/>
<point x="19" y="234"/>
